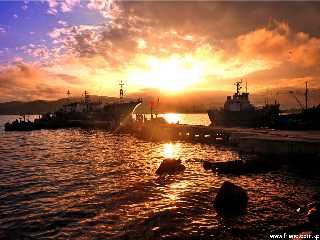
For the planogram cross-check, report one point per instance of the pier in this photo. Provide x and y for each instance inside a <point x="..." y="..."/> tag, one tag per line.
<point x="248" y="140"/>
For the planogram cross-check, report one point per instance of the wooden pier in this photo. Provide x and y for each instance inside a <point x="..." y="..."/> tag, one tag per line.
<point x="260" y="141"/>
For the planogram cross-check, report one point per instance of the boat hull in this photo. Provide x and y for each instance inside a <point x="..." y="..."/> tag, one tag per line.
<point x="119" y="111"/>
<point x="111" y="112"/>
<point x="257" y="118"/>
<point x="108" y="117"/>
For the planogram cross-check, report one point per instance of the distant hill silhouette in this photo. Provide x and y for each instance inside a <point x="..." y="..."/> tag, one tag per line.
<point x="42" y="106"/>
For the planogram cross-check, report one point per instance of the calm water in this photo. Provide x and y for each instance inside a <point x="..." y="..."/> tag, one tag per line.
<point x="194" y="119"/>
<point x="77" y="184"/>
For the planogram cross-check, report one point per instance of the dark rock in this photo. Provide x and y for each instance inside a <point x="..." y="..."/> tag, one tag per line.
<point x="234" y="166"/>
<point x="237" y="167"/>
<point x="314" y="215"/>
<point x="170" y="166"/>
<point x="311" y="226"/>
<point x="207" y="165"/>
<point x="231" y="198"/>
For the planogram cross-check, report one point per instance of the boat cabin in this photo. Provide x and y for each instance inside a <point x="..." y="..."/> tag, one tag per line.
<point x="239" y="101"/>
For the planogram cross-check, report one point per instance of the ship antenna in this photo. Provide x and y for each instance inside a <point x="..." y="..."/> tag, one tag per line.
<point x="306" y="95"/>
<point x="68" y="95"/>
<point x="121" y="89"/>
<point x="86" y="96"/>
<point x="157" y="108"/>
<point x="238" y="84"/>
<point x="86" y="99"/>
<point x="246" y="87"/>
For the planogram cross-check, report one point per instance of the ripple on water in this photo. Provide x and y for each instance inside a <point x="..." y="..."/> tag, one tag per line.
<point x="92" y="184"/>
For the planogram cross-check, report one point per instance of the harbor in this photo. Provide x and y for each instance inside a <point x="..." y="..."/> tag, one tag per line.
<point x="249" y="140"/>
<point x="239" y="124"/>
<point x="159" y="120"/>
<point x="239" y="137"/>
<point x="240" y="128"/>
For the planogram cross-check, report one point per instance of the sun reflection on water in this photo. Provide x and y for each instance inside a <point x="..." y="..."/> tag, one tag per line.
<point x="176" y="189"/>
<point x="171" y="150"/>
<point x="108" y="184"/>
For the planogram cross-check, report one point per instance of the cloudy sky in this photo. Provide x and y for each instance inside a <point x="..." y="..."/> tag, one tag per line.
<point x="49" y="47"/>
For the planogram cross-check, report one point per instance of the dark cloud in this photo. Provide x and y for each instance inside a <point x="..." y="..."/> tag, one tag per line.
<point x="164" y="26"/>
<point x="226" y="19"/>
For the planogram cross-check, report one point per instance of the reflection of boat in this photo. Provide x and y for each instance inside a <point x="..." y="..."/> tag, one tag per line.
<point x="82" y="114"/>
<point x="238" y="111"/>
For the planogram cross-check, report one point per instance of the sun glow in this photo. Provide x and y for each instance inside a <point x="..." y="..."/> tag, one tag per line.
<point x="171" y="117"/>
<point x="173" y="74"/>
<point x="171" y="150"/>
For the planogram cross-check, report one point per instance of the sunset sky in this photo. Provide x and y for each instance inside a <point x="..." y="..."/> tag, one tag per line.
<point x="49" y="47"/>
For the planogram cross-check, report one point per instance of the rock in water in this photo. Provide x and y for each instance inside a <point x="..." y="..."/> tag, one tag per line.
<point x="314" y="215"/>
<point x="170" y="166"/>
<point x="231" y="198"/>
<point x="207" y="165"/>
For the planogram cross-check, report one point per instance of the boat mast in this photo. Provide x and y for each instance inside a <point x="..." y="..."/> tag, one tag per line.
<point x="121" y="89"/>
<point x="157" y="108"/>
<point x="238" y="84"/>
<point x="246" y="87"/>
<point x="68" y="95"/>
<point x="306" y="95"/>
<point x="86" y="99"/>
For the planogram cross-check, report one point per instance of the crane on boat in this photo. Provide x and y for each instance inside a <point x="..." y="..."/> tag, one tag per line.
<point x="297" y="99"/>
<point x="306" y="96"/>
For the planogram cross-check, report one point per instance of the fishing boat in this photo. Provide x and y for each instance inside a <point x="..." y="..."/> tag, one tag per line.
<point x="239" y="112"/>
<point x="83" y="113"/>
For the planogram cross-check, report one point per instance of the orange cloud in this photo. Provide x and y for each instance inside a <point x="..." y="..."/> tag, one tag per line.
<point x="280" y="44"/>
<point x="23" y="81"/>
<point x="221" y="40"/>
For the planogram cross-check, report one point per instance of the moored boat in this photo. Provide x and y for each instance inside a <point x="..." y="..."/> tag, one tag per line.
<point x="239" y="112"/>
<point x="82" y="114"/>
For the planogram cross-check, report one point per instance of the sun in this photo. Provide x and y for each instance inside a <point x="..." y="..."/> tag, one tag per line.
<point x="173" y="74"/>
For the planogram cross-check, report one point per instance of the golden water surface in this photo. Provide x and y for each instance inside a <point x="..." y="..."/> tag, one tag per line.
<point x="91" y="184"/>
